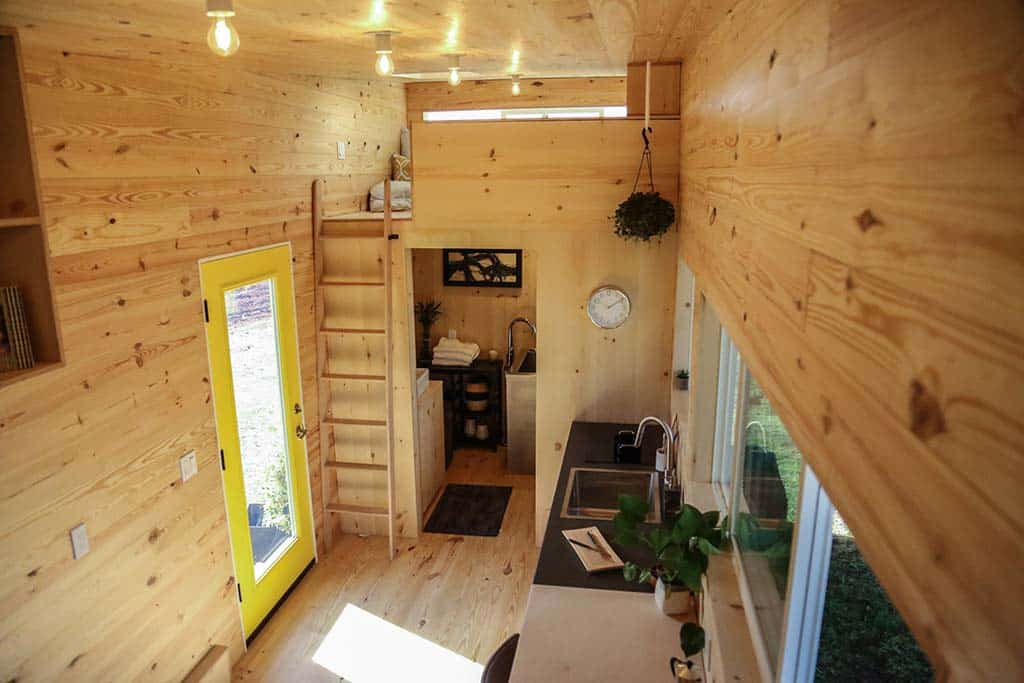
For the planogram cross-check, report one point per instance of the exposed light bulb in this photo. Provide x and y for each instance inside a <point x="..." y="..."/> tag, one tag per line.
<point x="222" y="36"/>
<point x="385" y="66"/>
<point x="515" y="86"/>
<point x="454" y="77"/>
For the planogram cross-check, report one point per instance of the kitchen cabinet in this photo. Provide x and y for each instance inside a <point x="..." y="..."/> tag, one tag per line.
<point x="430" y="460"/>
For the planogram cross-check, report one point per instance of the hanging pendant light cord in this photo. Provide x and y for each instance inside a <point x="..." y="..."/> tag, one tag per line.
<point x="646" y="156"/>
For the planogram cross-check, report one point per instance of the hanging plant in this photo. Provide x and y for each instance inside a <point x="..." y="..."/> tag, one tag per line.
<point x="644" y="215"/>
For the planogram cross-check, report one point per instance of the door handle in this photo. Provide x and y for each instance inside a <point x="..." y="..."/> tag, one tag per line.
<point x="298" y="409"/>
<point x="300" y="431"/>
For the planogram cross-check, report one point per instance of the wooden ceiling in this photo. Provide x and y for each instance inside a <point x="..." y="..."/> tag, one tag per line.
<point x="325" y="37"/>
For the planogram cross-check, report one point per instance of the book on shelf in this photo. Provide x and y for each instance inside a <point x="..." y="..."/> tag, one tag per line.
<point x="15" y="343"/>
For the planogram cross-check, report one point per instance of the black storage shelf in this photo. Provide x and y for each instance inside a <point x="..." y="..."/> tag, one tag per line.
<point x="455" y="380"/>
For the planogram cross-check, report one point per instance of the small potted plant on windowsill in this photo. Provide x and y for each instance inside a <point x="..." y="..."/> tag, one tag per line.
<point x="681" y="550"/>
<point x="683" y="380"/>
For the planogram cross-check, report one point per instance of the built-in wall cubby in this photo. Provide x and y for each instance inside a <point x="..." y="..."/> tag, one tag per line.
<point x="29" y="333"/>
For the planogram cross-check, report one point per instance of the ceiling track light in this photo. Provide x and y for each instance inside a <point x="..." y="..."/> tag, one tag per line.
<point x="385" y="65"/>
<point x="454" y="78"/>
<point x="222" y="36"/>
<point x="516" y="89"/>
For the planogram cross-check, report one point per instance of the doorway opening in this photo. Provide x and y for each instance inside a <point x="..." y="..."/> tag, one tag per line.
<point x="476" y="349"/>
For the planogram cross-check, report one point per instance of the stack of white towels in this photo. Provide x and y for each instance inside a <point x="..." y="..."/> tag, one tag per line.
<point x="454" y="352"/>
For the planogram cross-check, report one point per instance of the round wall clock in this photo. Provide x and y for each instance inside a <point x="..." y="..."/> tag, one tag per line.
<point x="608" y="307"/>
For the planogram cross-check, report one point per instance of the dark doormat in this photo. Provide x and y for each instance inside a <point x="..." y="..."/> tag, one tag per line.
<point x="469" y="510"/>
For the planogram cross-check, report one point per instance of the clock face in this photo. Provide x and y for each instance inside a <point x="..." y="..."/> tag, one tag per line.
<point x="608" y="307"/>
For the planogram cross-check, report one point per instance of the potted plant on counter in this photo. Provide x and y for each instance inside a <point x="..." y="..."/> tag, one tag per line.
<point x="427" y="313"/>
<point x="680" y="551"/>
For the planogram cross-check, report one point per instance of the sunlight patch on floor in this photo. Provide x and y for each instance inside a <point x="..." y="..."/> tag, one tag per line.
<point x="363" y="648"/>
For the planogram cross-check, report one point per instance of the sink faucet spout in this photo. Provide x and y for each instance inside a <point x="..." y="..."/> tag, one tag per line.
<point x="668" y="444"/>
<point x="511" y="356"/>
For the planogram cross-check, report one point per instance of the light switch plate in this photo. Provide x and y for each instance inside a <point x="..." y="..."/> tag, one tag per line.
<point x="79" y="541"/>
<point x="189" y="466"/>
<point x="341" y="149"/>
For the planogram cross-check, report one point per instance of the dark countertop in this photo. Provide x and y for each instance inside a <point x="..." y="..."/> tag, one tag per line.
<point x="590" y="444"/>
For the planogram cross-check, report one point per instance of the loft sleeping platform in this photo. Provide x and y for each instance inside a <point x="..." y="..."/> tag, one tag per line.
<point x="355" y="224"/>
<point x="371" y="216"/>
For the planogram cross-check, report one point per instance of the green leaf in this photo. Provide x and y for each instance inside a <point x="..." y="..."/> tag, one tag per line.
<point x="659" y="539"/>
<point x="691" y="638"/>
<point x="710" y="519"/>
<point x="633" y="506"/>
<point x="688" y="523"/>
<point x="705" y="546"/>
<point x="645" y="576"/>
<point x="630" y="572"/>
<point x="689" y="572"/>
<point x="625" y="531"/>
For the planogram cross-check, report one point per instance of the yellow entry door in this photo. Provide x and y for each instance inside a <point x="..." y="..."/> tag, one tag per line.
<point x="254" y="362"/>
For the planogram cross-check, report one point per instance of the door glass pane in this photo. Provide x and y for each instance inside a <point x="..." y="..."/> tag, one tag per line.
<point x="863" y="637"/>
<point x="259" y="406"/>
<point x="768" y="491"/>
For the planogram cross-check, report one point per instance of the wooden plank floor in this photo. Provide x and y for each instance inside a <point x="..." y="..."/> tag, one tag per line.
<point x="465" y="593"/>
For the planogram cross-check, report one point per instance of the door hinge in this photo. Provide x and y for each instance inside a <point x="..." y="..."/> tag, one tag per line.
<point x="239" y="587"/>
<point x="206" y="310"/>
<point x="223" y="467"/>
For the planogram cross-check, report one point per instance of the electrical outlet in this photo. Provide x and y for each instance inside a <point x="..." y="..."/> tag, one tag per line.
<point x="79" y="541"/>
<point x="189" y="466"/>
<point x="341" y="149"/>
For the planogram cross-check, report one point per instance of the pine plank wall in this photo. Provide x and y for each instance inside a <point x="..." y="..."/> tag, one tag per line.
<point x="153" y="153"/>
<point x="852" y="187"/>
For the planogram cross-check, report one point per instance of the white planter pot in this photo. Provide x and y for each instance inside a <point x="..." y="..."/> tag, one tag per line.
<point x="677" y="602"/>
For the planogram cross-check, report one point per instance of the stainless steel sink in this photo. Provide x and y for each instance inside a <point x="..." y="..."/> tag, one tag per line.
<point x="594" y="493"/>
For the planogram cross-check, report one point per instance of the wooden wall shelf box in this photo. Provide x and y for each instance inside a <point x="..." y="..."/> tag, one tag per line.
<point x="24" y="252"/>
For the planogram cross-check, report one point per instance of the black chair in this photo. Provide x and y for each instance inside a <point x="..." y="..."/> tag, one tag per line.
<point x="499" y="666"/>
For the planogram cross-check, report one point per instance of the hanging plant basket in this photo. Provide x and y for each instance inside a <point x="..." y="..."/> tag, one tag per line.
<point x="644" y="215"/>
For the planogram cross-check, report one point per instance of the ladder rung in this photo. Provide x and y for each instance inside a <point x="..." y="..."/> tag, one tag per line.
<point x="361" y="509"/>
<point x="354" y="421"/>
<point x="349" y="330"/>
<point x="341" y="465"/>
<point x="358" y="378"/>
<point x="343" y="283"/>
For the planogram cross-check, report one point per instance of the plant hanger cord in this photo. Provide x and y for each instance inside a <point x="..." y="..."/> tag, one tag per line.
<point x="645" y="156"/>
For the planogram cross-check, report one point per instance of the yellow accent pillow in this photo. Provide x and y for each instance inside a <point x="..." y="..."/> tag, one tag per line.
<point x="401" y="167"/>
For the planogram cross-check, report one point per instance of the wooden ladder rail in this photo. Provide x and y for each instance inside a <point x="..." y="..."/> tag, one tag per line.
<point x="324" y="378"/>
<point x="389" y="384"/>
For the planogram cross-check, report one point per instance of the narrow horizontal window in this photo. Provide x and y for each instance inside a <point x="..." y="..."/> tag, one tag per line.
<point x="611" y="112"/>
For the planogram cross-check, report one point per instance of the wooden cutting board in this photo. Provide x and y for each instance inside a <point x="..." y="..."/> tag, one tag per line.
<point x="592" y="560"/>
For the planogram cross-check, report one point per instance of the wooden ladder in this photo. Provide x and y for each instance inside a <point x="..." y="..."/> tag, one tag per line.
<point x="356" y="229"/>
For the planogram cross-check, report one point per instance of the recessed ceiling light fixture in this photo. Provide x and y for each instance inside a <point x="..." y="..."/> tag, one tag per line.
<point x="515" y="85"/>
<point x="222" y="36"/>
<point x="385" y="65"/>
<point x="453" y="70"/>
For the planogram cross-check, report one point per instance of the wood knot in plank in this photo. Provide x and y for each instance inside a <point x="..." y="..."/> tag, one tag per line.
<point x="926" y="415"/>
<point x="867" y="220"/>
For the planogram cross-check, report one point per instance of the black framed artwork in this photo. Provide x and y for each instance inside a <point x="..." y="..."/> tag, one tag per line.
<point x="482" y="268"/>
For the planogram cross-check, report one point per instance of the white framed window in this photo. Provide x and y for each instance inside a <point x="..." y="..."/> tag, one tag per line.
<point x="729" y="366"/>
<point x="814" y="609"/>
<point x="537" y="113"/>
